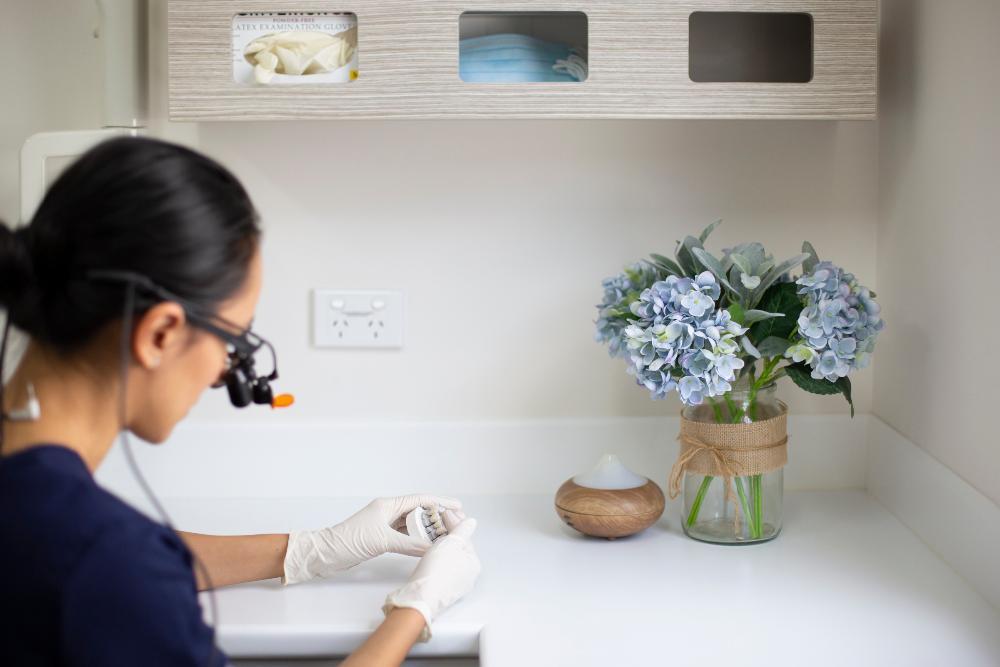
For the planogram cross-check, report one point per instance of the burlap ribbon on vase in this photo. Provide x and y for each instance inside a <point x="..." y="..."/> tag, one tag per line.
<point x="730" y="450"/>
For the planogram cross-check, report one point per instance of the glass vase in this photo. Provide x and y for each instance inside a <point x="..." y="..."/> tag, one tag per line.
<point x="750" y="511"/>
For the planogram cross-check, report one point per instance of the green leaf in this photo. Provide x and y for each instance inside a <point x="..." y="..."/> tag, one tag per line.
<point x="658" y="267"/>
<point x="736" y="312"/>
<point x="773" y="275"/>
<point x="727" y="262"/>
<point x="802" y="376"/>
<point x="772" y="346"/>
<point x="749" y="347"/>
<point x="709" y="261"/>
<point x="809" y="264"/>
<point x="752" y="316"/>
<point x="734" y="279"/>
<point x="742" y="263"/>
<point x="685" y="257"/>
<point x="708" y="230"/>
<point x="620" y="314"/>
<point x="753" y="252"/>
<point x="781" y="298"/>
<point x="667" y="264"/>
<point x="844" y="384"/>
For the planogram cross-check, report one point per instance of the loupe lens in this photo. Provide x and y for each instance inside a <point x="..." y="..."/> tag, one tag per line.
<point x="240" y="393"/>
<point x="262" y="394"/>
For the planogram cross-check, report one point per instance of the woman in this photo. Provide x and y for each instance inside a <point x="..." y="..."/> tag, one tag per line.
<point x="136" y="282"/>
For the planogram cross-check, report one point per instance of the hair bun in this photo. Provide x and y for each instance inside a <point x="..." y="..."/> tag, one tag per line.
<point x="17" y="275"/>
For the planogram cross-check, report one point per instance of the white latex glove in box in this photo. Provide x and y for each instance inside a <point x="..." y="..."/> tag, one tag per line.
<point x="445" y="574"/>
<point x="369" y="533"/>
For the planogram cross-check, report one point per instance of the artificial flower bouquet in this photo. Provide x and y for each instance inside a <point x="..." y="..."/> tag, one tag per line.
<point x="720" y="332"/>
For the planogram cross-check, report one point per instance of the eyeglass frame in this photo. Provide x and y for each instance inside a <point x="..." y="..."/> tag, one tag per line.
<point x="244" y="345"/>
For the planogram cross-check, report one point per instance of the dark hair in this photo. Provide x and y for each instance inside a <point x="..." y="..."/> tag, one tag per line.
<point x="128" y="204"/>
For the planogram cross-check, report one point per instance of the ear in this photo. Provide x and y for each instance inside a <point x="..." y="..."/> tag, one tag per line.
<point x="157" y="332"/>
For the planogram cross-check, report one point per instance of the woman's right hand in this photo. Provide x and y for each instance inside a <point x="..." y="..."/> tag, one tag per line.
<point x="446" y="573"/>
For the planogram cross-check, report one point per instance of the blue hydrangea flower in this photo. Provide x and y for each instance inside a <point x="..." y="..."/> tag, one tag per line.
<point x="659" y="383"/>
<point x="691" y="390"/>
<point x="838" y="325"/>
<point x="680" y="340"/>
<point x="619" y="291"/>
<point x="698" y="296"/>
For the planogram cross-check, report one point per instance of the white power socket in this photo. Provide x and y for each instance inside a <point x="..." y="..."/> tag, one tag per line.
<point x="357" y="318"/>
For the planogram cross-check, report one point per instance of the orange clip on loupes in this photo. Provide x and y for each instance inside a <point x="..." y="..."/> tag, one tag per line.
<point x="282" y="401"/>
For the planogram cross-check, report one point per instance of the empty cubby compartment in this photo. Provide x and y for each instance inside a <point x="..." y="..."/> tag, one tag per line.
<point x="753" y="47"/>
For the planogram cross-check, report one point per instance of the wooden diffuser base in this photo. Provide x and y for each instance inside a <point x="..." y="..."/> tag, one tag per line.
<point x="609" y="513"/>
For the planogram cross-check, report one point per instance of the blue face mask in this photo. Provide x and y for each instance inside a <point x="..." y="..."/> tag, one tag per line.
<point x="511" y="58"/>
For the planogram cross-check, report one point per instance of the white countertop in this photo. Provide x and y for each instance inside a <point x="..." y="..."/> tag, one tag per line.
<point x="845" y="583"/>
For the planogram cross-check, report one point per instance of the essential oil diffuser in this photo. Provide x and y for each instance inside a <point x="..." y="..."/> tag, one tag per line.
<point x="609" y="501"/>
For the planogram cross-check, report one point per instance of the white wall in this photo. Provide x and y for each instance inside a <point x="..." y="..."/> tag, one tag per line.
<point x="499" y="232"/>
<point x="937" y="233"/>
<point x="51" y="69"/>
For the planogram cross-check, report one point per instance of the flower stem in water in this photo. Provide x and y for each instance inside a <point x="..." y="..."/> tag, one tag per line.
<point x="696" y="507"/>
<point x="758" y="507"/>
<point x="748" y="519"/>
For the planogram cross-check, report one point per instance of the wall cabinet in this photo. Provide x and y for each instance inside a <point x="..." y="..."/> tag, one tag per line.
<point x="646" y="59"/>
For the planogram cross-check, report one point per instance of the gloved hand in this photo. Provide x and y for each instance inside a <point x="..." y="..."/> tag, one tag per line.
<point x="446" y="573"/>
<point x="365" y="535"/>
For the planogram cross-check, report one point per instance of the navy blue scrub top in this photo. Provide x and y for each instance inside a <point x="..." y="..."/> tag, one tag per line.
<point x="87" y="580"/>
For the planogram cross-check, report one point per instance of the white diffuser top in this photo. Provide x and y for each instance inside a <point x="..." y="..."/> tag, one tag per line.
<point x="610" y="473"/>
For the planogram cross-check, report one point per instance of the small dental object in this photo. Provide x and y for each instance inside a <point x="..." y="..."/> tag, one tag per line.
<point x="426" y="523"/>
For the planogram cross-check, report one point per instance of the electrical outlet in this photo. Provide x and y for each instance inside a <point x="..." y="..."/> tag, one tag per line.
<point x="357" y="318"/>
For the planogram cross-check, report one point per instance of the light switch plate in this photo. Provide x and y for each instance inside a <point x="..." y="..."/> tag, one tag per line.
<point x="357" y="318"/>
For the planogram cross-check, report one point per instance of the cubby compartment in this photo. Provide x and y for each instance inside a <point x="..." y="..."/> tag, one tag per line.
<point x="294" y="48"/>
<point x="522" y="47"/>
<point x="750" y="47"/>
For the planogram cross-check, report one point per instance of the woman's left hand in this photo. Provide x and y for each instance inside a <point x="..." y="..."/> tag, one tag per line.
<point x="365" y="535"/>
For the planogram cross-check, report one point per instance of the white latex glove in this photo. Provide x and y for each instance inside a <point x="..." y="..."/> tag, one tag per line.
<point x="452" y="518"/>
<point x="365" y="535"/>
<point x="446" y="573"/>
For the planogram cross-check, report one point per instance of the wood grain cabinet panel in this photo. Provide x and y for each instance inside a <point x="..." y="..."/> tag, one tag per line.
<point x="638" y="56"/>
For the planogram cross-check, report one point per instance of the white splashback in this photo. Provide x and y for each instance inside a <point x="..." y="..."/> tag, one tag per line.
<point x="369" y="459"/>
